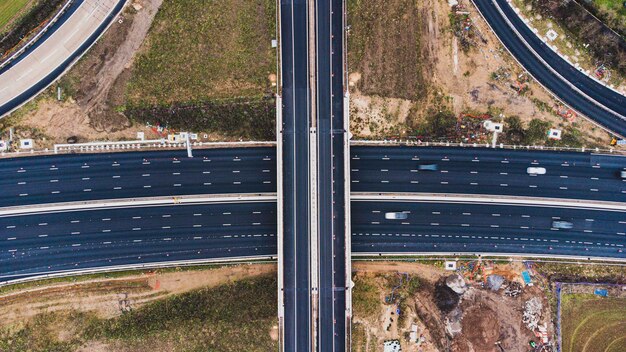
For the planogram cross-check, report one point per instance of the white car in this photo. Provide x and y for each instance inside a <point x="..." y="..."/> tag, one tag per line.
<point x="396" y="215"/>
<point x="536" y="170"/>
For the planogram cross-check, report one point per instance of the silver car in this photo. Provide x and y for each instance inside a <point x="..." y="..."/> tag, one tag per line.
<point x="562" y="225"/>
<point x="428" y="167"/>
<point x="396" y="215"/>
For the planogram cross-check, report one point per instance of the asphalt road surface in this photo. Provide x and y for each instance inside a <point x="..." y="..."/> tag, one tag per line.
<point x="64" y="42"/>
<point x="488" y="171"/>
<point x="330" y="176"/>
<point x="476" y="228"/>
<point x="604" y="106"/>
<point x="74" y="240"/>
<point x="296" y="187"/>
<point x="87" y="239"/>
<point x="36" y="180"/>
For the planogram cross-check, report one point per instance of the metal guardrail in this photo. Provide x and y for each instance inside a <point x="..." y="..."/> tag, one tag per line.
<point x="157" y="265"/>
<point x="37" y="36"/>
<point x="160" y="144"/>
<point x="416" y="143"/>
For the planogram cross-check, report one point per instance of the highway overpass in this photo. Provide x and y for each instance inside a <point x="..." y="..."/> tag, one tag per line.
<point x="296" y="207"/>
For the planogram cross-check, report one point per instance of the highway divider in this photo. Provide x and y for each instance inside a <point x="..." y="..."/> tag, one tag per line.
<point x="136" y="202"/>
<point x="489" y="199"/>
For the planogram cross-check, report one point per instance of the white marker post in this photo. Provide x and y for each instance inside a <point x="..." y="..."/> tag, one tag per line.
<point x="189" y="151"/>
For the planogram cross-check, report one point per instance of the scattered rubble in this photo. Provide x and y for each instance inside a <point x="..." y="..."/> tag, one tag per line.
<point x="513" y="289"/>
<point x="532" y="313"/>
<point x="456" y="283"/>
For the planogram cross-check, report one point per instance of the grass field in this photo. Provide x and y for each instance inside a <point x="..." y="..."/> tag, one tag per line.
<point x="385" y="48"/>
<point x="10" y="10"/>
<point x="198" y="50"/>
<point x="232" y="317"/>
<point x="615" y="7"/>
<point x="590" y="323"/>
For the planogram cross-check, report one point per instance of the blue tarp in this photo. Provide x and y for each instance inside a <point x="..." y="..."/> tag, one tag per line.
<point x="601" y="292"/>
<point x="526" y="277"/>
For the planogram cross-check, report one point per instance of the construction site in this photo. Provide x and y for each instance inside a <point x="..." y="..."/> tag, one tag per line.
<point x="453" y="305"/>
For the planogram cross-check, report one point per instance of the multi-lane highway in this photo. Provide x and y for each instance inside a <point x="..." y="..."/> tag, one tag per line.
<point x="42" y="243"/>
<point x="484" y="228"/>
<point x="295" y="205"/>
<point x="72" y="240"/>
<point x="35" y="180"/>
<point x="55" y="51"/>
<point x="502" y="173"/>
<point x="602" y="105"/>
<point x="488" y="171"/>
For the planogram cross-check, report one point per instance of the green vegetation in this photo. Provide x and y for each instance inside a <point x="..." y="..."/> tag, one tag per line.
<point x="588" y="272"/>
<point x="365" y="296"/>
<point x="200" y="50"/>
<point x="206" y="67"/>
<point x="233" y="317"/>
<point x="612" y="12"/>
<point x="359" y="339"/>
<point x="516" y="133"/>
<point x="592" y="323"/>
<point x="10" y="10"/>
<point x="19" y="18"/>
<point x="397" y="70"/>
<point x="438" y="125"/>
<point x="252" y="117"/>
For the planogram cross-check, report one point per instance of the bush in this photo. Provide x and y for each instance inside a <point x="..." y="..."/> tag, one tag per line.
<point x="252" y="118"/>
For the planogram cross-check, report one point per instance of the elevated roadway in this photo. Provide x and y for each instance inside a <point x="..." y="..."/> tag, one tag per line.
<point x="602" y="105"/>
<point x="332" y="178"/>
<point x="295" y="206"/>
<point x="54" y="52"/>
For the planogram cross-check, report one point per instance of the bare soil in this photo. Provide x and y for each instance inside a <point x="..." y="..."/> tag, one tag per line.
<point x="487" y="317"/>
<point x="96" y="86"/>
<point x="104" y="296"/>
<point x="431" y="57"/>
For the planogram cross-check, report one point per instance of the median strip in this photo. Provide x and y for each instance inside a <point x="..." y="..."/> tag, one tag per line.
<point x="489" y="199"/>
<point x="136" y="202"/>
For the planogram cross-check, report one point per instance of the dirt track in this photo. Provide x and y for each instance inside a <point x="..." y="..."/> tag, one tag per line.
<point x="97" y="83"/>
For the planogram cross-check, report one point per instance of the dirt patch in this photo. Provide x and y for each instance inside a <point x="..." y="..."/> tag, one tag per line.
<point x="100" y="79"/>
<point x="460" y="74"/>
<point x="481" y="319"/>
<point x="110" y="297"/>
<point x="94" y="88"/>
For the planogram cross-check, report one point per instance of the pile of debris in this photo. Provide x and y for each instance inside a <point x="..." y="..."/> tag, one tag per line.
<point x="470" y="128"/>
<point x="513" y="289"/>
<point x="532" y="313"/>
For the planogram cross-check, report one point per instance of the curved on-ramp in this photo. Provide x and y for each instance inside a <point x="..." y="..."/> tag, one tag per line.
<point x="55" y="51"/>
<point x="602" y="105"/>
